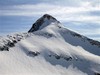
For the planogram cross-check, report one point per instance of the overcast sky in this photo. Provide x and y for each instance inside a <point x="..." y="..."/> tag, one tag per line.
<point x="82" y="16"/>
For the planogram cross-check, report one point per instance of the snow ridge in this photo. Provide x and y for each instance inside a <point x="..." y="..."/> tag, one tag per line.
<point x="10" y="40"/>
<point x="49" y="49"/>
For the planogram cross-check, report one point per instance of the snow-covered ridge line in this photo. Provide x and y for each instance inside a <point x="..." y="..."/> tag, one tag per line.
<point x="11" y="40"/>
<point x="49" y="49"/>
<point x="84" y="38"/>
<point x="47" y="19"/>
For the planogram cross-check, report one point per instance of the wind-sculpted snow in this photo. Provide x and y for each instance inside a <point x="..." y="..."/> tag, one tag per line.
<point x="49" y="50"/>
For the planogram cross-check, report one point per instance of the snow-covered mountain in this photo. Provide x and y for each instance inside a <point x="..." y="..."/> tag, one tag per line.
<point x="49" y="49"/>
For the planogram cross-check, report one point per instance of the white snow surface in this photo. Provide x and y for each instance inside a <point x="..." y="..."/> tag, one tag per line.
<point x="75" y="56"/>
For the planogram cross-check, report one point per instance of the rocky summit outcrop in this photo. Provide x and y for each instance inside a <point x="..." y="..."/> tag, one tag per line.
<point x="44" y="19"/>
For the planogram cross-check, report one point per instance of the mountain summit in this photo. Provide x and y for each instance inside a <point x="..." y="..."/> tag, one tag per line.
<point x="51" y="26"/>
<point x="49" y="49"/>
<point x="44" y="20"/>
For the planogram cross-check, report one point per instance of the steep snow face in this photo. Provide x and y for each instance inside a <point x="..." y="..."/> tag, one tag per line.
<point x="51" y="50"/>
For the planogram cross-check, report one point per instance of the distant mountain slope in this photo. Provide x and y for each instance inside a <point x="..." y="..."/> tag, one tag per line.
<point x="49" y="49"/>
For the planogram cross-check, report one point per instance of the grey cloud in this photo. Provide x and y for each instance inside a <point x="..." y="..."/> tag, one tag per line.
<point x="90" y="13"/>
<point x="82" y="25"/>
<point x="57" y="2"/>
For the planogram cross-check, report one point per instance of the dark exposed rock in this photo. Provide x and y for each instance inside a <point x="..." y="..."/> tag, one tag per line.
<point x="93" y="42"/>
<point x="10" y="41"/>
<point x="59" y="26"/>
<point x="50" y="55"/>
<point x="18" y="39"/>
<point x="61" y="56"/>
<point x="4" y="48"/>
<point x="14" y="41"/>
<point x="57" y="57"/>
<point x="10" y="44"/>
<point x="30" y="53"/>
<point x="48" y="16"/>
<point x="39" y="22"/>
<point x="97" y="74"/>
<point x="68" y="58"/>
<point x="78" y="35"/>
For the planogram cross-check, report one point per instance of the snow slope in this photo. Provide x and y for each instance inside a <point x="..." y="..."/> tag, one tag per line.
<point x="49" y="49"/>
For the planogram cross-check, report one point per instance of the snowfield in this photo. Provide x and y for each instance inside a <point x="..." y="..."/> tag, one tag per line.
<point x="49" y="49"/>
